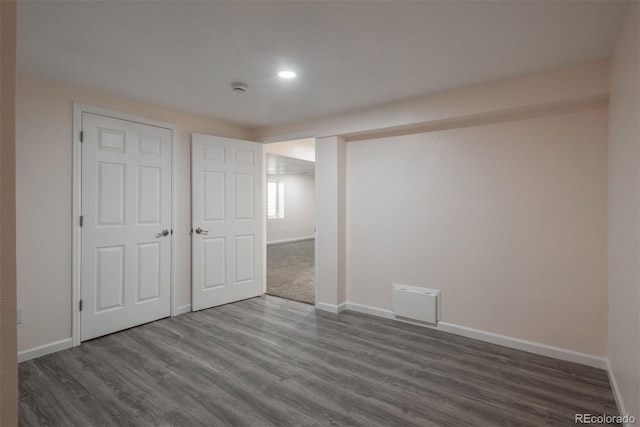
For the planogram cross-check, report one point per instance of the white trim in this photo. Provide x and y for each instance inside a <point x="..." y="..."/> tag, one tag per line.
<point x="529" y="346"/>
<point x="183" y="309"/>
<point x="372" y="311"/>
<point x="264" y="220"/>
<point x="505" y="341"/>
<point x="331" y="308"/>
<point x="617" y="395"/>
<point x="76" y="236"/>
<point x="76" y="243"/>
<point x="295" y="239"/>
<point x="45" y="349"/>
<point x="174" y="219"/>
<point x="316" y="298"/>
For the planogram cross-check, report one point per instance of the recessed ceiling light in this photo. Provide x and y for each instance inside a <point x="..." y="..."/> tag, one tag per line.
<point x="287" y="74"/>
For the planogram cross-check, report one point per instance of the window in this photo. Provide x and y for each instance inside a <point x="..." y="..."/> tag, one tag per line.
<point x="275" y="199"/>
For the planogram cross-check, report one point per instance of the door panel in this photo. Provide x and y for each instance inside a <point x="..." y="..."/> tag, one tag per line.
<point x="149" y="260"/>
<point x="245" y="261"/>
<point x="149" y="188"/>
<point x="214" y="261"/>
<point x="126" y="204"/>
<point x="213" y="192"/>
<point x="227" y="204"/>
<point x="110" y="278"/>
<point x="243" y="196"/>
<point x="110" y="192"/>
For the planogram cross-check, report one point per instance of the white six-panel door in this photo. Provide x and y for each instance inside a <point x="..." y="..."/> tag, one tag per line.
<point x="126" y="232"/>
<point x="227" y="237"/>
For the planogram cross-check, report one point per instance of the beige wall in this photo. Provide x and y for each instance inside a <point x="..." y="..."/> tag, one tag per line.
<point x="624" y="214"/>
<point x="299" y="209"/>
<point x="8" y="354"/>
<point x="44" y="165"/>
<point x="518" y="105"/>
<point x="507" y="219"/>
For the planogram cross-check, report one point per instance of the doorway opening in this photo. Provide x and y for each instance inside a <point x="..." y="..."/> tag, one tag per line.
<point x="291" y="219"/>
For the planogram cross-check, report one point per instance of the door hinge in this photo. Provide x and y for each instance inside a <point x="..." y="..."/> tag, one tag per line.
<point x="81" y="136"/>
<point x="81" y="220"/>
<point x="80" y="305"/>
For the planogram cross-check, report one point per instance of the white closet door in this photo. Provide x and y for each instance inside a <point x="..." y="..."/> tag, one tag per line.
<point x="126" y="232"/>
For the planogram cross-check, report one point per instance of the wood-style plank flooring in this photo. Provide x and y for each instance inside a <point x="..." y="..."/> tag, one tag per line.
<point x="269" y="361"/>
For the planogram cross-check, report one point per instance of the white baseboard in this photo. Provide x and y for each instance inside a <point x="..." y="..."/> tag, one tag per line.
<point x="295" y="239"/>
<point x="183" y="309"/>
<point x="622" y="410"/>
<point x="373" y="311"/>
<point x="45" y="349"/>
<point x="331" y="308"/>
<point x="505" y="341"/>
<point x="530" y="346"/>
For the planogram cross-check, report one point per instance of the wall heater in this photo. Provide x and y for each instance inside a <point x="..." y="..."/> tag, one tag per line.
<point x="416" y="303"/>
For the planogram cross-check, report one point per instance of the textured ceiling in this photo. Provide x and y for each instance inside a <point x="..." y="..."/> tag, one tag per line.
<point x="348" y="55"/>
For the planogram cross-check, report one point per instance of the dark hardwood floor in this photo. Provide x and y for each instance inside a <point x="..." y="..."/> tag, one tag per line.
<point x="270" y="361"/>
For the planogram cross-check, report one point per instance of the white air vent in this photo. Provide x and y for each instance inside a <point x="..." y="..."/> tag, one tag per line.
<point x="416" y="303"/>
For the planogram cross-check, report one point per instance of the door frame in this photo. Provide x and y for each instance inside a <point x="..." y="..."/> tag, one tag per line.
<point x="282" y="138"/>
<point x="76" y="210"/>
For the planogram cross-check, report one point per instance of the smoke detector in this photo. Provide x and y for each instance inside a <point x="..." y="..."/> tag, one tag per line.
<point x="239" y="87"/>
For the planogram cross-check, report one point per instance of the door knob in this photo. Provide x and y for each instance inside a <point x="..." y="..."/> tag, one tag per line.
<point x="164" y="233"/>
<point x="201" y="231"/>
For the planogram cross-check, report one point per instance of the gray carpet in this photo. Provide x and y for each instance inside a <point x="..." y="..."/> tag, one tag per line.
<point x="291" y="270"/>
